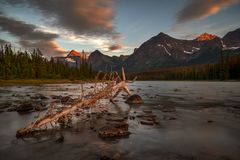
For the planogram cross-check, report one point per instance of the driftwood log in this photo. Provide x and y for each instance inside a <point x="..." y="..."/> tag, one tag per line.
<point x="50" y="117"/>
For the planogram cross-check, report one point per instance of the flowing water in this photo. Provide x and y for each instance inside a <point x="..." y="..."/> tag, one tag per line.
<point x="206" y="124"/>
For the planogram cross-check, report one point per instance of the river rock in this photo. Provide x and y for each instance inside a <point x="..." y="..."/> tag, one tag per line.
<point x="134" y="99"/>
<point x="56" y="97"/>
<point x="5" y="105"/>
<point x="25" y="107"/>
<point x="105" y="158"/>
<point x="40" y="108"/>
<point x="115" y="119"/>
<point x="114" y="131"/>
<point x="167" y="109"/>
<point x="146" y="122"/>
<point x="66" y="100"/>
<point x="60" y="139"/>
<point x="169" y="118"/>
<point x="147" y="111"/>
<point x="43" y="97"/>
<point x="146" y="116"/>
<point x="12" y="109"/>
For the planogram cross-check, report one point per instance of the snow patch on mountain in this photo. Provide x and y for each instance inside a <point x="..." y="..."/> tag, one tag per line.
<point x="187" y="52"/>
<point x="160" y="45"/>
<point x="196" y="48"/>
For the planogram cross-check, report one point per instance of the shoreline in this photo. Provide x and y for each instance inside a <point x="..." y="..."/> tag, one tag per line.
<point x="42" y="81"/>
<point x="61" y="81"/>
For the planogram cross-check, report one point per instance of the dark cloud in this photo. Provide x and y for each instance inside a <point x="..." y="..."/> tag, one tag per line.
<point x="23" y="30"/>
<point x="45" y="46"/>
<point x="3" y="42"/>
<point x="29" y="36"/>
<point x="91" y="17"/>
<point x="115" y="47"/>
<point x="197" y="9"/>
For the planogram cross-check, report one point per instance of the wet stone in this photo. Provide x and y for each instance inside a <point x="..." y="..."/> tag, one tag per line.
<point x="167" y="109"/>
<point x="147" y="111"/>
<point x="25" y="107"/>
<point x="40" y="108"/>
<point x="105" y="158"/>
<point x="169" y="118"/>
<point x="114" y="131"/>
<point x="5" y="105"/>
<point x="56" y="97"/>
<point x="146" y="116"/>
<point x="43" y="97"/>
<point x="115" y="119"/>
<point x="131" y="117"/>
<point x="12" y="109"/>
<point x="210" y="121"/>
<point x="177" y="90"/>
<point x="147" y="122"/>
<point x="134" y="99"/>
<point x="236" y="107"/>
<point x="66" y="100"/>
<point x="60" y="139"/>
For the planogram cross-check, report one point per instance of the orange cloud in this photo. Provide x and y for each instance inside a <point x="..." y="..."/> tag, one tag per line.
<point x="29" y="37"/>
<point x="48" y="48"/>
<point x="199" y="9"/>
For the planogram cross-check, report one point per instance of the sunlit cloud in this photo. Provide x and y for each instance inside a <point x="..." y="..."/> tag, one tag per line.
<point x="30" y="36"/>
<point x="200" y="9"/>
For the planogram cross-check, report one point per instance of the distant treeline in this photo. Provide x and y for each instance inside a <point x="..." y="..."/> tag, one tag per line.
<point x="228" y="67"/>
<point x="33" y="65"/>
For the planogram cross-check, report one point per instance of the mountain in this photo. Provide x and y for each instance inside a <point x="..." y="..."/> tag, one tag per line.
<point x="232" y="39"/>
<point x="163" y="51"/>
<point x="121" y="57"/>
<point x="205" y="37"/>
<point x="102" y="62"/>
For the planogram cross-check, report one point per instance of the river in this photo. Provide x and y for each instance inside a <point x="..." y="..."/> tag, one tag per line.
<point x="205" y="125"/>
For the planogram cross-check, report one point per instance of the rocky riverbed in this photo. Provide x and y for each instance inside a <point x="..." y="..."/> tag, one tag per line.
<point x="177" y="120"/>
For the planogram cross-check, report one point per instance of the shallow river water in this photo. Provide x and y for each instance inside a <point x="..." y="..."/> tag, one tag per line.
<point x="206" y="124"/>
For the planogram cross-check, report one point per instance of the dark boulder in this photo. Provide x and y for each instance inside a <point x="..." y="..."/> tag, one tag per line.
<point x="43" y="97"/>
<point x="60" y="139"/>
<point x="66" y="99"/>
<point x="134" y="99"/>
<point x="115" y="119"/>
<point x="147" y="122"/>
<point x="12" y="109"/>
<point x="114" y="131"/>
<point x="40" y="108"/>
<point x="25" y="107"/>
<point x="147" y="111"/>
<point x="56" y="97"/>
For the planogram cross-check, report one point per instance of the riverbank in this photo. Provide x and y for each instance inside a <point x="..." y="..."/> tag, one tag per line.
<point x="63" y="81"/>
<point x="41" y="81"/>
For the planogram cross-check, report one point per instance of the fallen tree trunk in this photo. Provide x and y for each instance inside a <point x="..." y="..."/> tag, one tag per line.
<point x="53" y="117"/>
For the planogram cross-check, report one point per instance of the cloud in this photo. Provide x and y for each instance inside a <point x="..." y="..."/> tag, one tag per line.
<point x="3" y="42"/>
<point x="29" y="36"/>
<point x="199" y="9"/>
<point x="50" y="47"/>
<point x="115" y="47"/>
<point x="84" y="17"/>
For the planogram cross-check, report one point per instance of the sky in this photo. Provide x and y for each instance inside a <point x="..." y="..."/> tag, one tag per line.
<point x="115" y="27"/>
